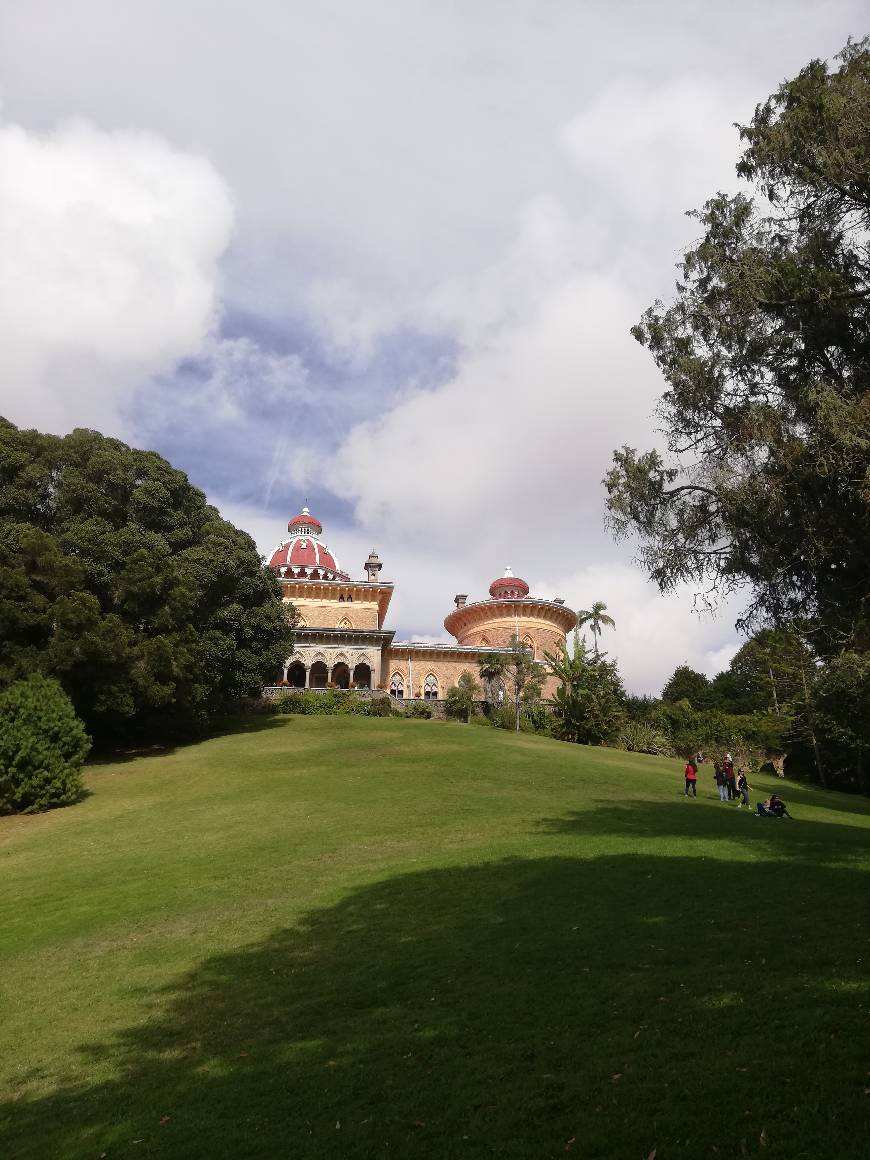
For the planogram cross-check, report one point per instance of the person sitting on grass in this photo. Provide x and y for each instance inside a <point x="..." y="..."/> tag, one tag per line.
<point x="691" y="775"/>
<point x="774" y="807"/>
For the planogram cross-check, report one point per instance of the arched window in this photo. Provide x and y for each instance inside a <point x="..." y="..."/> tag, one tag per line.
<point x="344" y="623"/>
<point x="430" y="688"/>
<point x="484" y="639"/>
<point x="397" y="686"/>
<point x="529" y="643"/>
<point x="341" y="600"/>
<point x="350" y="600"/>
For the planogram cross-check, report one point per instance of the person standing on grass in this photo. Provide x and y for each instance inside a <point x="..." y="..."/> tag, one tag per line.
<point x="691" y="775"/>
<point x="729" y="778"/>
<point x="743" y="788"/>
<point x="721" y="781"/>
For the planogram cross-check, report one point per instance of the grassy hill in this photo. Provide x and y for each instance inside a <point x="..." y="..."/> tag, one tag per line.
<point x="341" y="937"/>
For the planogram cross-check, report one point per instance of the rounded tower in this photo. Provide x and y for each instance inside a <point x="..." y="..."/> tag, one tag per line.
<point x="540" y="624"/>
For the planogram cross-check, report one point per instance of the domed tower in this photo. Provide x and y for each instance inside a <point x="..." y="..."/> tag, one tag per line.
<point x="540" y="624"/>
<point x="304" y="556"/>
<point x="339" y="635"/>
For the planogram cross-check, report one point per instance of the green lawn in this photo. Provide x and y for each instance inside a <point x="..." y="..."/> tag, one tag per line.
<point x="342" y="937"/>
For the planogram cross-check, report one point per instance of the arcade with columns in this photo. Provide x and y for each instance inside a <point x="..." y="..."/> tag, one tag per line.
<point x="341" y="640"/>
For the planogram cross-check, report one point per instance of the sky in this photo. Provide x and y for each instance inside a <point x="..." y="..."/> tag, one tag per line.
<point x="383" y="257"/>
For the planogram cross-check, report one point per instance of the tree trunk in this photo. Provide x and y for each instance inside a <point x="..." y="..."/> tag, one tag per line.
<point x="823" y="782"/>
<point x="863" y="776"/>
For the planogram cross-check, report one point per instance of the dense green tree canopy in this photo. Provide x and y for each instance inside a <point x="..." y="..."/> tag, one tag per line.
<point x="686" y="684"/>
<point x="118" y="579"/>
<point x="766" y="353"/>
<point x="589" y="703"/>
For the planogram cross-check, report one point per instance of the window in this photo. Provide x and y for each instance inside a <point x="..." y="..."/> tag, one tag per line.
<point x="341" y="600"/>
<point x="430" y="688"/>
<point x="397" y="686"/>
<point x="344" y="623"/>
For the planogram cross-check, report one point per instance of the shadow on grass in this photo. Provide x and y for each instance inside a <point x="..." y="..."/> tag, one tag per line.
<point x="789" y="839"/>
<point x="239" y="723"/>
<point x="599" y="1008"/>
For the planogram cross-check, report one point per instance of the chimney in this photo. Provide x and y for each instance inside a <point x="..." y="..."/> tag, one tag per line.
<point x="460" y="598"/>
<point x="373" y="565"/>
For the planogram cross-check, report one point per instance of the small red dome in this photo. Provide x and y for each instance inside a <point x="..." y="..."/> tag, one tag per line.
<point x="305" y="520"/>
<point x="508" y="587"/>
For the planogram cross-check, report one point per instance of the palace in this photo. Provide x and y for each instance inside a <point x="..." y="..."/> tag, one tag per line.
<point x="341" y="638"/>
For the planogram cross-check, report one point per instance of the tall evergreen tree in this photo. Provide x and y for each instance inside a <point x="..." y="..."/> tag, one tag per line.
<point x="118" y="579"/>
<point x="766" y="353"/>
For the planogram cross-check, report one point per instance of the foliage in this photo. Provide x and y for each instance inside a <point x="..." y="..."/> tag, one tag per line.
<point x="330" y="702"/>
<point x="639" y="708"/>
<point x="588" y="704"/>
<point x="770" y="671"/>
<point x="417" y="709"/>
<point x="596" y="617"/>
<point x="523" y="678"/>
<point x="766" y="352"/>
<point x="378" y="707"/>
<point x="749" y="737"/>
<point x="117" y="578"/>
<point x="685" y="684"/>
<point x="460" y="697"/>
<point x="643" y="737"/>
<point x="491" y="668"/>
<point x="503" y="716"/>
<point x="43" y="745"/>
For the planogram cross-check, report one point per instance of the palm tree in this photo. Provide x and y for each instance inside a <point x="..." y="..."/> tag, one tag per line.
<point x="596" y="618"/>
<point x="491" y="669"/>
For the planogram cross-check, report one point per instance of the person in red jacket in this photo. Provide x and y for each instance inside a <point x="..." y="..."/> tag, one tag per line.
<point x="691" y="775"/>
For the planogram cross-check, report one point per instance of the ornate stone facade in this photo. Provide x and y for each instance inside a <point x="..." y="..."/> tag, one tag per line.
<point x="341" y="639"/>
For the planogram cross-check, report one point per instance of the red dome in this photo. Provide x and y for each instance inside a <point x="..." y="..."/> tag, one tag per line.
<point x="508" y="587"/>
<point x="304" y="556"/>
<point x="305" y="520"/>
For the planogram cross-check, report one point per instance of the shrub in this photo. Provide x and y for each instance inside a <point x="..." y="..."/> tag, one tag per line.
<point x="642" y="737"/>
<point x="330" y="703"/>
<point x="418" y="709"/>
<point x="503" y="716"/>
<point x="379" y="707"/>
<point x="288" y="703"/>
<point x="42" y="747"/>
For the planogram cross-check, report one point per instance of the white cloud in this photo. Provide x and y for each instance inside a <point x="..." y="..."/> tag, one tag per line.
<point x="109" y="251"/>
<point x="653" y="633"/>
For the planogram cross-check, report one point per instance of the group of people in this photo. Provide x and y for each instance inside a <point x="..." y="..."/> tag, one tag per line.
<point x="732" y="786"/>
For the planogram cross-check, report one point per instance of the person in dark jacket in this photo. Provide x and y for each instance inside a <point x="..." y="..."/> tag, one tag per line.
<point x="774" y="807"/>
<point x="730" y="782"/>
<point x="743" y="788"/>
<point x="721" y="781"/>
